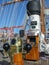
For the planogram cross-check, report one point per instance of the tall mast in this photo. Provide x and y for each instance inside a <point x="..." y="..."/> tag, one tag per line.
<point x="42" y="17"/>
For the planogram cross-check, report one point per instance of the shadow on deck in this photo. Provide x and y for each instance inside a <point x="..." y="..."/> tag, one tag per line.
<point x="40" y="62"/>
<point x="4" y="62"/>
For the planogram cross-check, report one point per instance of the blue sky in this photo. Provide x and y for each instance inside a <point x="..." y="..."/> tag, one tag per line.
<point x="14" y="14"/>
<point x="47" y="17"/>
<point x="46" y="3"/>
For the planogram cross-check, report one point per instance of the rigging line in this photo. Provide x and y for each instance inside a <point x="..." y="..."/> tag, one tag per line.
<point x="28" y="19"/>
<point x="12" y="15"/>
<point x="15" y="15"/>
<point x="11" y="22"/>
<point x="20" y="13"/>
<point x="26" y="22"/>
<point x="1" y="12"/>
<point x="4" y="17"/>
<point x="9" y="15"/>
<point x="24" y="19"/>
<point x="17" y="18"/>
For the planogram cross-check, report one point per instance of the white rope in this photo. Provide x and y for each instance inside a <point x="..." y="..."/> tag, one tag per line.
<point x="3" y="17"/>
<point x="1" y="11"/>
<point x="12" y="16"/>
<point x="8" y="19"/>
<point x="6" y="14"/>
<point x="24" y="19"/>
<point x="21" y="12"/>
<point x="9" y="16"/>
<point x="17" y="12"/>
<point x="19" y="22"/>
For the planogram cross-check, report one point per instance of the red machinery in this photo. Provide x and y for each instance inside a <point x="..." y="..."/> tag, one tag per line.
<point x="10" y="29"/>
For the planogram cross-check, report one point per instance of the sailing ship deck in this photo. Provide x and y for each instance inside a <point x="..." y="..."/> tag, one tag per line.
<point x="44" y="61"/>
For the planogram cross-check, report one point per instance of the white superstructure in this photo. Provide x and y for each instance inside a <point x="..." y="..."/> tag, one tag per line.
<point x="35" y="24"/>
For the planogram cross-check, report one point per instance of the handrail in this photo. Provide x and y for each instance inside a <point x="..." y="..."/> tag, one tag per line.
<point x="9" y="28"/>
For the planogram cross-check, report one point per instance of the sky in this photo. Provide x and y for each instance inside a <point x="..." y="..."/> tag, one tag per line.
<point x="46" y="3"/>
<point x="14" y="14"/>
<point x="47" y="16"/>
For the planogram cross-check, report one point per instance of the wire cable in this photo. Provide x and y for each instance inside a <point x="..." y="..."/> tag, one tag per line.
<point x="1" y="13"/>
<point x="9" y="15"/>
<point x="21" y="12"/>
<point x="12" y="16"/>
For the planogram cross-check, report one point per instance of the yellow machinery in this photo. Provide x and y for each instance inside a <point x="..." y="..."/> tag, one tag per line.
<point x="15" y="51"/>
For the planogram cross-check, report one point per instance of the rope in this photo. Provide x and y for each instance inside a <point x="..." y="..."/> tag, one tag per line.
<point x="15" y="21"/>
<point x="1" y="12"/>
<point x="4" y="17"/>
<point x="17" y="15"/>
<point x="9" y="16"/>
<point x="12" y="15"/>
<point x="18" y="23"/>
<point x="21" y="12"/>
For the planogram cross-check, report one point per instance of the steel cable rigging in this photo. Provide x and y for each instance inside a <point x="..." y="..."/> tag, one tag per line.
<point x="9" y="15"/>
<point x="13" y="15"/>
<point x="1" y="12"/>
<point x="19" y="22"/>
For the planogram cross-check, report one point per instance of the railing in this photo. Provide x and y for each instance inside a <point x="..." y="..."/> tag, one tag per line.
<point x="7" y="3"/>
